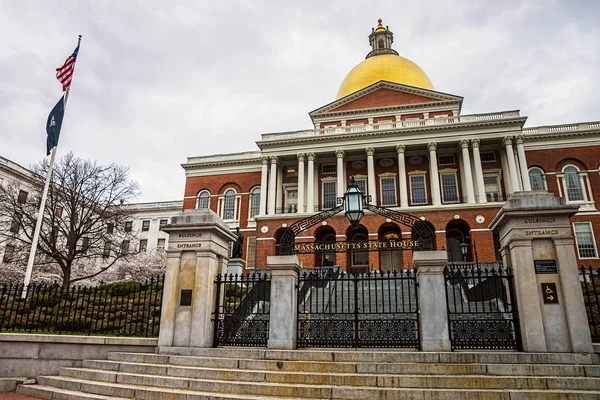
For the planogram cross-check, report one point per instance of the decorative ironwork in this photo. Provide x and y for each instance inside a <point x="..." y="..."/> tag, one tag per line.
<point x="590" y="285"/>
<point x="242" y="311"/>
<point x="421" y="231"/>
<point x="481" y="309"/>
<point x="289" y="235"/>
<point x="373" y="309"/>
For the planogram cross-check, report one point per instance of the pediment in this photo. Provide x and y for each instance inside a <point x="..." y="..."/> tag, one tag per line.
<point x="384" y="95"/>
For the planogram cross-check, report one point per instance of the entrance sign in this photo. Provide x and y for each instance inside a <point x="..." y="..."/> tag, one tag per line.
<point x="545" y="266"/>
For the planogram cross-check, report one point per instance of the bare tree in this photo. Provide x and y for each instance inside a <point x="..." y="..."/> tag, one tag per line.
<point x="83" y="231"/>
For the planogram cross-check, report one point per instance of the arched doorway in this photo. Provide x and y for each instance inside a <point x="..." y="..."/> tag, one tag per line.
<point x="457" y="233"/>
<point x="325" y="234"/>
<point x="358" y="261"/>
<point x="424" y="233"/>
<point x="390" y="260"/>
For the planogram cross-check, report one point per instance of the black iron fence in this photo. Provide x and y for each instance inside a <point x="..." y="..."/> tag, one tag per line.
<point x="482" y="313"/>
<point x="242" y="310"/>
<point x="120" y="309"/>
<point x="590" y="285"/>
<point x="374" y="309"/>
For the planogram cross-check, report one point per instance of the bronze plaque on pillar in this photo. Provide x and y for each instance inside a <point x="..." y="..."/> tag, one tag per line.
<point x="186" y="298"/>
<point x="549" y="293"/>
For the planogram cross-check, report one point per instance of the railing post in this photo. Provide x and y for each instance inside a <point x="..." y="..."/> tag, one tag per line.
<point x="283" y="324"/>
<point x="433" y="305"/>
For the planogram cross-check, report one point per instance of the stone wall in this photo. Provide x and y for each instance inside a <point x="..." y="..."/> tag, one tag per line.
<point x="32" y="355"/>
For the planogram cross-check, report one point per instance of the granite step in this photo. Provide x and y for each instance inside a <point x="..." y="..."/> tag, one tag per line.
<point x="256" y="382"/>
<point x="159" y="364"/>
<point x="60" y="389"/>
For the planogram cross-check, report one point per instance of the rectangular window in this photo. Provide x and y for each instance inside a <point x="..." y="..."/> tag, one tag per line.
<point x="110" y="228"/>
<point x="143" y="244"/>
<point x="492" y="189"/>
<point x="584" y="236"/>
<point x="251" y="253"/>
<point x="145" y="226"/>
<point x="362" y="185"/>
<point x="14" y="226"/>
<point x="160" y="245"/>
<point x="446" y="159"/>
<point x="418" y="192"/>
<point x="163" y="223"/>
<point x="254" y="202"/>
<point x="9" y="253"/>
<point x="128" y="226"/>
<point x="388" y="191"/>
<point x="125" y="247"/>
<point x="106" y="252"/>
<point x="329" y="168"/>
<point x="85" y="245"/>
<point x="58" y="212"/>
<point x="291" y="200"/>
<point x="449" y="188"/>
<point x="329" y="196"/>
<point x="22" y="196"/>
<point x="488" y="156"/>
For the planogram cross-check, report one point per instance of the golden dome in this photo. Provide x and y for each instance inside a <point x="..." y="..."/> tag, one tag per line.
<point x="384" y="67"/>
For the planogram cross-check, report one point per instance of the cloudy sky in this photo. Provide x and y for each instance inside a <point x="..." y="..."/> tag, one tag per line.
<point x="159" y="81"/>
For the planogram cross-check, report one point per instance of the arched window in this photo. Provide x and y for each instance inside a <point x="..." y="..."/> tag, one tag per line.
<point x="255" y="201"/>
<point x="380" y="43"/>
<point x="536" y="179"/>
<point x="573" y="183"/>
<point x="229" y="204"/>
<point x="203" y="200"/>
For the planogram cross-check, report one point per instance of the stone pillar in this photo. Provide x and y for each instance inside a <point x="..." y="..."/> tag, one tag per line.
<point x="279" y="197"/>
<point x="371" y="184"/>
<point x="402" y="176"/>
<point x="283" y="322"/>
<point x="512" y="166"/>
<point x="310" y="186"/>
<point x="433" y="308"/>
<point x="198" y="249"/>
<point x="341" y="179"/>
<point x="263" y="185"/>
<point x="536" y="240"/>
<point x="272" y="185"/>
<point x="301" y="181"/>
<point x="523" y="163"/>
<point x="464" y="146"/>
<point x="481" y="197"/>
<point x="434" y="174"/>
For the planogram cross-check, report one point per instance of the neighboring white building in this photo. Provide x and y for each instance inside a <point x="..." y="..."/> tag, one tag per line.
<point x="146" y="221"/>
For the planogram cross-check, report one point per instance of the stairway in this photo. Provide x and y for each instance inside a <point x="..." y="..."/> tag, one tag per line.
<point x="243" y="373"/>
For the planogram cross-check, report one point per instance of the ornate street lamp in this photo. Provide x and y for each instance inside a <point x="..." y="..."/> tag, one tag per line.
<point x="353" y="203"/>
<point x="464" y="248"/>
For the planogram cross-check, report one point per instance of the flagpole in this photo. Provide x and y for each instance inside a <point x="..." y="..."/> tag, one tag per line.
<point x="40" y="216"/>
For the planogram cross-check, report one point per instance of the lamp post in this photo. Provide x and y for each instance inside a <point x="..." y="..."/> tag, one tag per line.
<point x="353" y="203"/>
<point x="464" y="248"/>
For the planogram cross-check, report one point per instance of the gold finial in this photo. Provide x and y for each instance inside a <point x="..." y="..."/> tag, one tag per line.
<point x="380" y="27"/>
<point x="379" y="21"/>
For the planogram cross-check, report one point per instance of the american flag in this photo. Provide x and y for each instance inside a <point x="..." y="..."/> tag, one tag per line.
<point x="65" y="73"/>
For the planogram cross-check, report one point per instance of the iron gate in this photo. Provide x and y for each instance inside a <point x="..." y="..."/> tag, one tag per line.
<point x="373" y="309"/>
<point x="242" y="311"/>
<point x="481" y="309"/>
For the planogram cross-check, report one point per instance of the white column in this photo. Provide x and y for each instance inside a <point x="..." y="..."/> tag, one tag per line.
<point x="301" y="181"/>
<point x="339" y="154"/>
<point x="506" y="174"/>
<point x="523" y="163"/>
<point x="279" y="199"/>
<point x="310" y="186"/>
<point x="264" y="174"/>
<point x="478" y="172"/>
<point x="512" y="166"/>
<point x="402" y="175"/>
<point x="371" y="184"/>
<point x="464" y="146"/>
<point x="272" y="185"/>
<point x="435" y="176"/>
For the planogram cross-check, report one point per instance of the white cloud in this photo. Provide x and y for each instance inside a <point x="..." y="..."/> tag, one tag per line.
<point x="157" y="82"/>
